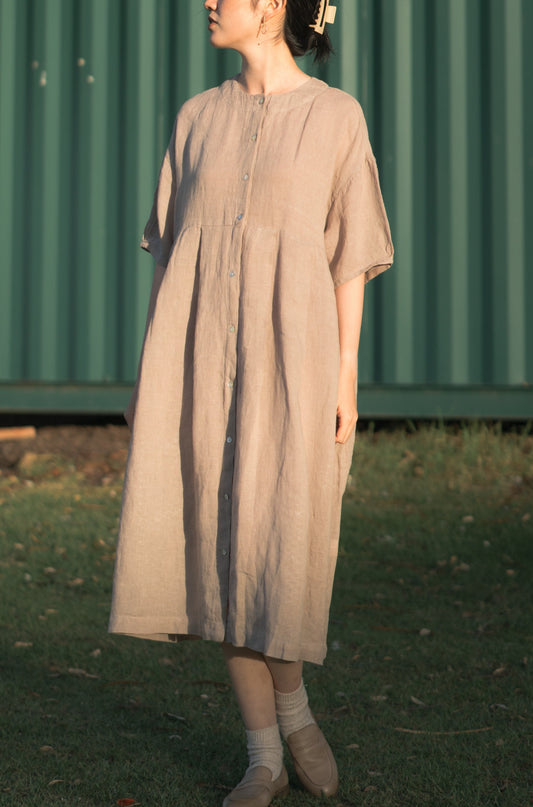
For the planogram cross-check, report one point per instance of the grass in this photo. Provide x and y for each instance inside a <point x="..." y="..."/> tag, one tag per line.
<point x="426" y="692"/>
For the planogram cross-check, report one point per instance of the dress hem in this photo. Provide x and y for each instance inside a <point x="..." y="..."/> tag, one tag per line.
<point x="312" y="655"/>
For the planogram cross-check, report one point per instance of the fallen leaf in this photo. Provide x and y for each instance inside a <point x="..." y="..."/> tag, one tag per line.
<point x="417" y="701"/>
<point x="424" y="632"/>
<point x="55" y="782"/>
<point x="96" y="653"/>
<point x="50" y="570"/>
<point x="378" y="698"/>
<point x="23" y="644"/>
<point x="78" y="581"/>
<point x="353" y="745"/>
<point x="338" y="711"/>
<point x="500" y="670"/>
<point x="468" y="519"/>
<point x="127" y="803"/>
<point x="462" y="567"/>
<point x="81" y="673"/>
<point x="46" y="749"/>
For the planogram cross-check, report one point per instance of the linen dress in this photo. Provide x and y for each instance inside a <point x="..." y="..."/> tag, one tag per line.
<point x="232" y="496"/>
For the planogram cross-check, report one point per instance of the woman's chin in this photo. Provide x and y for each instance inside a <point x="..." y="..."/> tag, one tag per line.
<point x="214" y="40"/>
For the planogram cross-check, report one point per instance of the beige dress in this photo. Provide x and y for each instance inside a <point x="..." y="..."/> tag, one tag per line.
<point x="232" y="495"/>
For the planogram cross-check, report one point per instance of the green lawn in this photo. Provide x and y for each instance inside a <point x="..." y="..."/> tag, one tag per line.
<point x="426" y="691"/>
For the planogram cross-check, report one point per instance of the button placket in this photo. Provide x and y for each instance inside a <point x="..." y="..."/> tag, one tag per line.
<point x="257" y="117"/>
<point x="245" y="178"/>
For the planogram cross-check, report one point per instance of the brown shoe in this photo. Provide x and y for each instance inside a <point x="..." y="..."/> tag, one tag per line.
<point x="313" y="760"/>
<point x="257" y="789"/>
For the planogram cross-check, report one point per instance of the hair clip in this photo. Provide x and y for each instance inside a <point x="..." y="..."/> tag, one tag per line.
<point x="326" y="13"/>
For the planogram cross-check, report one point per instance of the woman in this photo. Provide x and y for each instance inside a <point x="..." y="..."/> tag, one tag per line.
<point x="267" y="221"/>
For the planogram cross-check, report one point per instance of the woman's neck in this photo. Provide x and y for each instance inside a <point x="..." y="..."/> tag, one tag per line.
<point x="270" y="69"/>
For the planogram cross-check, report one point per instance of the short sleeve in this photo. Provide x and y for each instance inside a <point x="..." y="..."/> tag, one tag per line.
<point x="357" y="235"/>
<point x="158" y="236"/>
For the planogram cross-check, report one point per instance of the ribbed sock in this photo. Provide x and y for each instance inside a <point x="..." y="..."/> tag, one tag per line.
<point x="292" y="710"/>
<point x="264" y="748"/>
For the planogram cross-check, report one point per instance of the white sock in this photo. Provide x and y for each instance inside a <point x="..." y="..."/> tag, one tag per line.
<point x="292" y="710"/>
<point x="264" y="748"/>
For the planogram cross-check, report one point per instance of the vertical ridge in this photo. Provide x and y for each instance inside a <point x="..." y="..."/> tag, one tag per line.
<point x="459" y="213"/>
<point x="516" y="259"/>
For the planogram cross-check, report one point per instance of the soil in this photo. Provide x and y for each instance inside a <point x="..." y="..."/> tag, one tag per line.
<point x="97" y="452"/>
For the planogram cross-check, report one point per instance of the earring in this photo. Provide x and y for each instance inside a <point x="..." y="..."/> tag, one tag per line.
<point x="263" y="30"/>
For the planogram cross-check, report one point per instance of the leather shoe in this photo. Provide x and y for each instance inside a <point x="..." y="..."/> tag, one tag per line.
<point x="314" y="762"/>
<point x="257" y="788"/>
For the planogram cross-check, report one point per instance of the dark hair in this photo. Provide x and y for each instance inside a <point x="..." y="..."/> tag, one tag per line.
<point x="299" y="36"/>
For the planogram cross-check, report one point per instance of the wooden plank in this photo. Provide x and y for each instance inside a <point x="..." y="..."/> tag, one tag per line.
<point x="17" y="433"/>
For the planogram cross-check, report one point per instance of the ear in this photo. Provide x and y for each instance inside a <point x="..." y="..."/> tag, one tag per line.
<point x="273" y="8"/>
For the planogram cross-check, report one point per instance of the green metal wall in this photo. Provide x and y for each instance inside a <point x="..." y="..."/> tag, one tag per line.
<point x="88" y="92"/>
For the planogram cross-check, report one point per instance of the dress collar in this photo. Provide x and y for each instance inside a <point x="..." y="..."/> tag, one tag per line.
<point x="232" y="92"/>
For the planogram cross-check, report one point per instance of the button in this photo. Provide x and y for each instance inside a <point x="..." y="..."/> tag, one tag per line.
<point x="232" y="274"/>
<point x="229" y="439"/>
<point x="231" y="328"/>
<point x="239" y="217"/>
<point x="227" y="497"/>
<point x="253" y="138"/>
<point x="246" y="177"/>
<point x="230" y="384"/>
<point x="224" y="552"/>
<point x="261" y="101"/>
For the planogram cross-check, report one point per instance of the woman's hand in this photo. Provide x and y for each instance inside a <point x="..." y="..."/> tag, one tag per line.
<point x="346" y="405"/>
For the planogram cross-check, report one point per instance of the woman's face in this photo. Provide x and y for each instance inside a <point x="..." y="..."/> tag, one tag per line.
<point x="233" y="23"/>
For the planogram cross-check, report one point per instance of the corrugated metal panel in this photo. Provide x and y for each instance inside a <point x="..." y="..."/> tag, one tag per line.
<point x="88" y="91"/>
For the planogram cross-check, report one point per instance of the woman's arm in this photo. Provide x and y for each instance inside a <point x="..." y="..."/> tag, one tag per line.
<point x="349" y="298"/>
